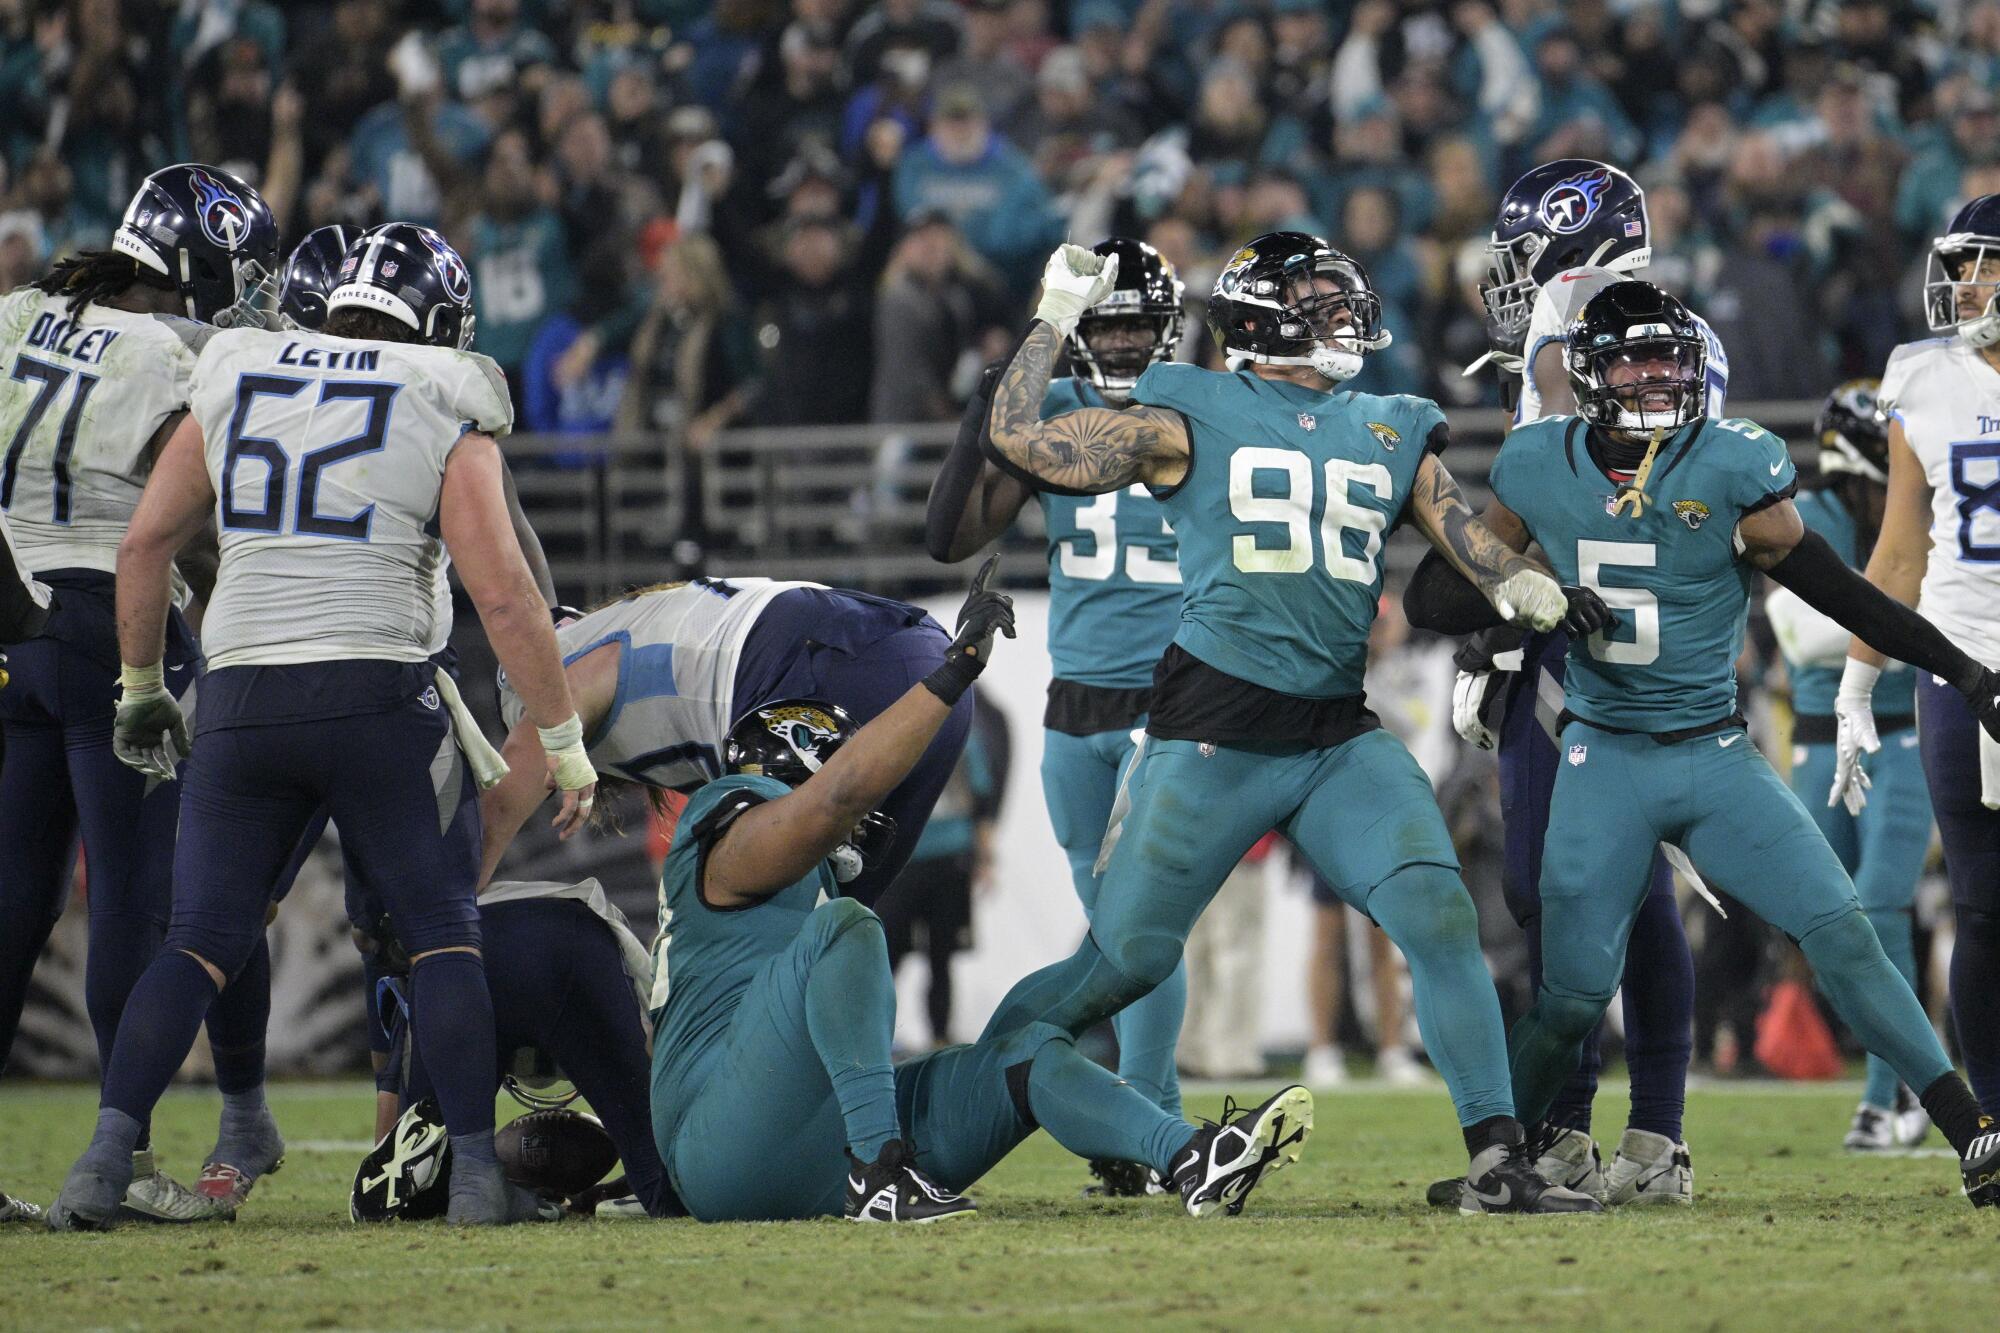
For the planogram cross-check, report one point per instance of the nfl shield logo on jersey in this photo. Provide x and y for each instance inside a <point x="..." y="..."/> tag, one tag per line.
<point x="1577" y="753"/>
<point x="1307" y="421"/>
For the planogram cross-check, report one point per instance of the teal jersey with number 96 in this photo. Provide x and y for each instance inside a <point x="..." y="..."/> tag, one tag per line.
<point x="1114" y="584"/>
<point x="1671" y="575"/>
<point x="1288" y="496"/>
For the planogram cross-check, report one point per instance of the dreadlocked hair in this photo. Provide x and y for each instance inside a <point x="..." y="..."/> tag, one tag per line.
<point x="368" y="326"/>
<point x="92" y="275"/>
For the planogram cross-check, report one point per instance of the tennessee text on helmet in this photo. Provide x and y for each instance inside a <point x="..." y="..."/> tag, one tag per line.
<point x="1962" y="275"/>
<point x="310" y="275"/>
<point x="1137" y="324"/>
<point x="1637" y="360"/>
<point x="790" y="740"/>
<point x="1562" y="215"/>
<point x="1290" y="299"/>
<point x="411" y="274"/>
<point x="209" y="235"/>
<point x="1853" y="431"/>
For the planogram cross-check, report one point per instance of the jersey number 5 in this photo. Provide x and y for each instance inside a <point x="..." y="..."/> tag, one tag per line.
<point x="1099" y="521"/>
<point x="269" y="513"/>
<point x="1591" y="558"/>
<point x="1293" y="509"/>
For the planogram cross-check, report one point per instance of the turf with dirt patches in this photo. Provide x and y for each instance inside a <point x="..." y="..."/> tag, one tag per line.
<point x="1788" y="1232"/>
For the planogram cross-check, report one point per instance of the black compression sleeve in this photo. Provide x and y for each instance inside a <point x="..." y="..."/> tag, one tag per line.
<point x="955" y="481"/>
<point x="1478" y="651"/>
<point x="1823" y="581"/>
<point x="1443" y="600"/>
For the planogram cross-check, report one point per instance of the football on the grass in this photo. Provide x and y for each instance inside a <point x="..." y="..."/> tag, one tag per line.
<point x="555" y="1152"/>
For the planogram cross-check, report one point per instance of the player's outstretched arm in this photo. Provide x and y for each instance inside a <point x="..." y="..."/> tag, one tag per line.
<point x="1491" y="558"/>
<point x="505" y="807"/>
<point x="1776" y="540"/>
<point x="773" y="845"/>
<point x="1091" y="450"/>
<point x="472" y="513"/>
<point x="971" y="502"/>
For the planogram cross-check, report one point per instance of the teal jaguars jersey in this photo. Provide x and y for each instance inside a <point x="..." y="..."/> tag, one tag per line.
<point x="1815" y="683"/>
<point x="1672" y="576"/>
<point x="1114" y="584"/>
<point x="704" y="959"/>
<point x="1288" y="496"/>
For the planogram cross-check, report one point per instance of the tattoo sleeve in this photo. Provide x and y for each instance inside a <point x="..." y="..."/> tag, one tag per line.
<point x="1086" y="452"/>
<point x="1441" y="511"/>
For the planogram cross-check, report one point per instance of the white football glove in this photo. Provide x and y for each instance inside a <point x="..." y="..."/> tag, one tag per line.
<point x="1855" y="717"/>
<point x="1472" y="694"/>
<point x="148" y="732"/>
<point x="570" y="773"/>
<point x="1531" y="600"/>
<point x="1074" y="281"/>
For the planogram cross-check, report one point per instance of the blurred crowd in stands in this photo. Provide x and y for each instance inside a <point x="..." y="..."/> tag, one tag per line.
<point x="685" y="216"/>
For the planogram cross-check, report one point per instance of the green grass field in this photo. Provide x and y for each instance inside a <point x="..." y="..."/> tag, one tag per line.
<point x="1787" y="1233"/>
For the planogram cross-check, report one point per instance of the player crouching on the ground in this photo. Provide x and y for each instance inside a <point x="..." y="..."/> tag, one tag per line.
<point x="773" y="1092"/>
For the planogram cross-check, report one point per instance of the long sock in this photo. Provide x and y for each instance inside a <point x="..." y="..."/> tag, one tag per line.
<point x="1149" y="1031"/>
<point x="451" y="1016"/>
<point x="1659" y="1017"/>
<point x="237" y="1022"/>
<point x="1892" y="927"/>
<point x="1951" y="1108"/>
<point x="161" y="1018"/>
<point x="1427" y="912"/>
<point x="122" y="944"/>
<point x="1975" y="979"/>
<point x="101" y="1176"/>
<point x="1095" y="1114"/>
<point x="1874" y="999"/>
<point x="851" y="1017"/>
<point x="1543" y="1049"/>
<point x="1578" y="1095"/>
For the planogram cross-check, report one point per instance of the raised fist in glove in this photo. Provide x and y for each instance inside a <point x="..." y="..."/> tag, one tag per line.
<point x="1074" y="281"/>
<point x="1531" y="599"/>
<point x="984" y="614"/>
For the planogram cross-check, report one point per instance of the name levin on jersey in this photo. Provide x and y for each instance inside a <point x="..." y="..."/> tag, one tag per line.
<point x="329" y="358"/>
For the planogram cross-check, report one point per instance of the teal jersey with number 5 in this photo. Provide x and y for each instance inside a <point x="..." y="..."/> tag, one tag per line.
<point x="1281" y="517"/>
<point x="1114" y="584"/>
<point x="1672" y="574"/>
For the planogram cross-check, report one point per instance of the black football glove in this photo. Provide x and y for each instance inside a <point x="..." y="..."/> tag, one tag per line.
<point x="1587" y="612"/>
<point x="1985" y="700"/>
<point x="984" y="614"/>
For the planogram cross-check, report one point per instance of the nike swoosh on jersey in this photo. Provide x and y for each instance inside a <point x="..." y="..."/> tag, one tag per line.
<point x="1727" y="741"/>
<point x="1776" y="466"/>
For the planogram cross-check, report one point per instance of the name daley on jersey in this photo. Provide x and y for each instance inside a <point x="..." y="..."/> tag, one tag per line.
<point x="67" y="338"/>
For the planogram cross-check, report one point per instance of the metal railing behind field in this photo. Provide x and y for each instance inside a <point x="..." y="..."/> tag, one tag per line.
<point x="836" y="504"/>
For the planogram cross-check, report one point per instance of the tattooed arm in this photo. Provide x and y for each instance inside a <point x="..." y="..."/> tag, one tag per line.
<point x="1490" y="553"/>
<point x="1088" y="451"/>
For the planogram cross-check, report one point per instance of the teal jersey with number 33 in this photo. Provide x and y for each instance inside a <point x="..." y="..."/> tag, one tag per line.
<point x="1671" y="575"/>
<point x="1114" y="584"/>
<point x="1289" y="494"/>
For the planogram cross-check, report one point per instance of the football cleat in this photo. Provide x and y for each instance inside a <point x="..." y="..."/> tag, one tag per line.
<point x="1569" y="1158"/>
<point x="19" y="1210"/>
<point x="1122" y="1180"/>
<point x="407" y="1175"/>
<point x="891" y="1189"/>
<point x="1503" y="1179"/>
<point x="624" y="1209"/>
<point x="1649" y="1169"/>
<point x="1913" y="1122"/>
<point x="1226" y="1159"/>
<point x="155" y="1196"/>
<point x="1873" y="1130"/>
<point x="482" y="1196"/>
<point x="225" y="1180"/>
<point x="1980" y="1167"/>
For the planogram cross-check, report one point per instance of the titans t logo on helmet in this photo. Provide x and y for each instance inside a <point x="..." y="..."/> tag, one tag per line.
<point x="451" y="269"/>
<point x="1571" y="203"/>
<point x="224" y="218"/>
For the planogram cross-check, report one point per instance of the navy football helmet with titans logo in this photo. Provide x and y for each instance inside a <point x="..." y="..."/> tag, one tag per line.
<point x="411" y="274"/>
<point x="1563" y="214"/>
<point x="1962" y="275"/>
<point x="204" y="233"/>
<point x="311" y="273"/>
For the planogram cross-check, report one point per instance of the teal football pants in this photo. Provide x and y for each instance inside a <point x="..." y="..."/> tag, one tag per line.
<point x="1080" y="781"/>
<point x="1716" y="797"/>
<point x="1362" y="813"/>
<point x="1882" y="848"/>
<point x="801" y="1072"/>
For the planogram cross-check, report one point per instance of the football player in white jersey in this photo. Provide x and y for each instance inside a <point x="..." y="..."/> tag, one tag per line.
<point x="97" y="360"/>
<point x="1940" y="550"/>
<point x="1566" y="231"/>
<point x="661" y="675"/>
<point x="341" y="466"/>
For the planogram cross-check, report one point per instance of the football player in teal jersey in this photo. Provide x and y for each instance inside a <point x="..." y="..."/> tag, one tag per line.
<point x="1280" y="486"/>
<point x="1114" y="604"/>
<point x="1655" y="749"/>
<point x="1882" y="845"/>
<point x="773" y="1004"/>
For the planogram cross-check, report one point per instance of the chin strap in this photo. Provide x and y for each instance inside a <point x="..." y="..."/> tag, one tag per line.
<point x="1636" y="492"/>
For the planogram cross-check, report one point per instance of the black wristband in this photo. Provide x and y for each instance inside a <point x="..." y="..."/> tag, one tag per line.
<point x="951" y="680"/>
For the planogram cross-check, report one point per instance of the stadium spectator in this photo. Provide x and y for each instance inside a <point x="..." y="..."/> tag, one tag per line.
<point x="928" y="26"/>
<point x="491" y="51"/>
<point x="934" y="324"/>
<point x="988" y="62"/>
<point x="519" y="257"/>
<point x="812" y="333"/>
<point x="343" y="72"/>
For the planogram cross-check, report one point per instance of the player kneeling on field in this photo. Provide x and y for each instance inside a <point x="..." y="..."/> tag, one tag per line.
<point x="773" y="1093"/>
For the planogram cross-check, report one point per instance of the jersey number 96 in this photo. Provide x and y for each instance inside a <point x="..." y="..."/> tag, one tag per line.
<point x="1252" y="466"/>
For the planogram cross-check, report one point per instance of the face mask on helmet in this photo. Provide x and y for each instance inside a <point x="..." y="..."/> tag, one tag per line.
<point x="1647" y="384"/>
<point x="1114" y="350"/>
<point x="1853" y="430"/>
<point x="1962" y="288"/>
